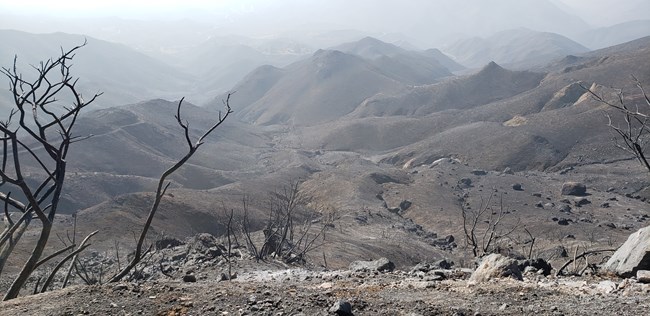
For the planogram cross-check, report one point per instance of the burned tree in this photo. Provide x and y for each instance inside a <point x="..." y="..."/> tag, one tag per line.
<point x="634" y="131"/>
<point x="38" y="131"/>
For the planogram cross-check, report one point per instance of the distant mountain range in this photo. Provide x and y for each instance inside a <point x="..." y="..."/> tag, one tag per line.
<point x="121" y="73"/>
<point x="519" y="48"/>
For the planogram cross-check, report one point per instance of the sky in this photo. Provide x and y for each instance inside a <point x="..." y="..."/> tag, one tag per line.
<point x="596" y="12"/>
<point x="426" y="23"/>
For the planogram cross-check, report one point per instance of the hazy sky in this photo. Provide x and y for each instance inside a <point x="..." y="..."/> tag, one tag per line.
<point x="597" y="12"/>
<point x="422" y="22"/>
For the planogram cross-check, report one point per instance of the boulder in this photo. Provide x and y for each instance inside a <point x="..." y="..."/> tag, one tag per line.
<point x="341" y="308"/>
<point x="517" y="187"/>
<point x="381" y="264"/>
<point x="632" y="256"/>
<point x="574" y="188"/>
<point x="404" y="205"/>
<point x="496" y="266"/>
<point x="643" y="276"/>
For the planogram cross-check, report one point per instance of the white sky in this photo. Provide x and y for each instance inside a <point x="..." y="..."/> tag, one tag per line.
<point x="141" y="8"/>
<point x="123" y="8"/>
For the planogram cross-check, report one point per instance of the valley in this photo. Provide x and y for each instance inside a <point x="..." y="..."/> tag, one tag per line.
<point x="392" y="149"/>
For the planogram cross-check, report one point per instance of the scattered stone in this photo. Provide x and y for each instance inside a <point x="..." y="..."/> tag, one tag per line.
<point x="496" y="266"/>
<point x="549" y="205"/>
<point x="341" y="308"/>
<point x="537" y="194"/>
<point x="632" y="256"/>
<point x="563" y="221"/>
<point x="539" y="204"/>
<point x="604" y="205"/>
<point x="507" y="170"/>
<point x="574" y="188"/>
<point x="517" y="187"/>
<point x="381" y="265"/>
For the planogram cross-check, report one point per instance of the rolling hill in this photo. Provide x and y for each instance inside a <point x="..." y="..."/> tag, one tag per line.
<point x="518" y="48"/>
<point x="121" y="73"/>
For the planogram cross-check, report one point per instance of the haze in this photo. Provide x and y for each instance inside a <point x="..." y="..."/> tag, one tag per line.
<point x="420" y="22"/>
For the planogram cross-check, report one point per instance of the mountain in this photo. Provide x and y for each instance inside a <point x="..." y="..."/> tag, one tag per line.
<point x="615" y="34"/>
<point x="121" y="73"/>
<point x="496" y="118"/>
<point x="323" y="87"/>
<point x="517" y="48"/>
<point x="221" y="62"/>
<point x="490" y="84"/>
<point x="410" y="67"/>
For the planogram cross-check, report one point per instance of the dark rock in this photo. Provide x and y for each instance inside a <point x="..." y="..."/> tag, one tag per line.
<point x="341" y="308"/>
<point x="574" y="188"/>
<point x="478" y="172"/>
<point x="563" y="221"/>
<point x="167" y="242"/>
<point x="539" y="204"/>
<point x="404" y="205"/>
<point x="604" y="205"/>
<point x="539" y="264"/>
<point x="580" y="201"/>
<point x="537" y="194"/>
<point x="549" y="205"/>
<point x="443" y="264"/>
<point x="465" y="183"/>
<point x="189" y="278"/>
<point x="517" y="187"/>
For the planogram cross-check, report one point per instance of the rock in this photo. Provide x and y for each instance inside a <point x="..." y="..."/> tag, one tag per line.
<point x="507" y="170"/>
<point x="574" y="188"/>
<point x="341" y="308"/>
<point x="605" y="205"/>
<point x="580" y="201"/>
<point x="404" y="205"/>
<point x="549" y="205"/>
<point x="189" y="278"/>
<point x="465" y="183"/>
<point x="381" y="264"/>
<point x="564" y="208"/>
<point x="632" y="256"/>
<point x="496" y="266"/>
<point x="539" y="265"/>
<point x="539" y="204"/>
<point x="479" y="172"/>
<point x="443" y="264"/>
<point x="167" y="242"/>
<point x="563" y="221"/>
<point x="607" y="286"/>
<point x="643" y="276"/>
<point x="517" y="187"/>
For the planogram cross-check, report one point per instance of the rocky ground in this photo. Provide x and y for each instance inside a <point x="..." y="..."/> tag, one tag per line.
<point x="192" y="279"/>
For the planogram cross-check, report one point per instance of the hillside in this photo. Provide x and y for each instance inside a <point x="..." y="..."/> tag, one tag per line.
<point x="517" y="48"/>
<point x="323" y="87"/>
<point x="121" y="73"/>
